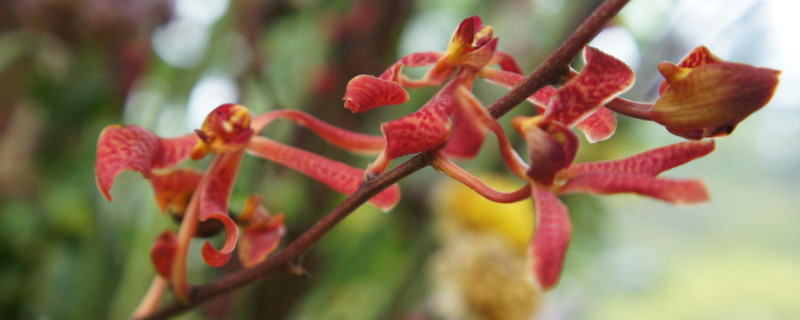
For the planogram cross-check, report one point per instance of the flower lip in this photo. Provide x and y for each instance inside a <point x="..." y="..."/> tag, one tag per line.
<point x="225" y="129"/>
<point x="552" y="147"/>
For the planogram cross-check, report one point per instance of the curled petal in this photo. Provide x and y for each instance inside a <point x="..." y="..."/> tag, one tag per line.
<point x="133" y="148"/>
<point x="598" y="126"/>
<point x="339" y="176"/>
<point x="259" y="240"/>
<point x="426" y="129"/>
<point x="218" y="258"/>
<point x="163" y="252"/>
<point x="174" y="189"/>
<point x="603" y="78"/>
<point x="366" y="92"/>
<point x="711" y="99"/>
<point x="348" y="140"/>
<point x="551" y="236"/>
<point x="651" y="162"/>
<point x="674" y="191"/>
<point x="225" y="129"/>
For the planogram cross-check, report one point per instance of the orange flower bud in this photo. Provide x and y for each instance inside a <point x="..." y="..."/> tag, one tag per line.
<point x="709" y="97"/>
<point x="226" y="129"/>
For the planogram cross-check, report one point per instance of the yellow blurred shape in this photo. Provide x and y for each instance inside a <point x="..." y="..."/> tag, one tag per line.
<point x="464" y="210"/>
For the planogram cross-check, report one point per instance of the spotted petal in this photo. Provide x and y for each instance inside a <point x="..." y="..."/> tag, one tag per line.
<point x="134" y="148"/>
<point x="551" y="236"/>
<point x="366" y="92"/>
<point x="423" y="130"/>
<point x="603" y="78"/>
<point x="674" y="191"/>
<point x="337" y="175"/>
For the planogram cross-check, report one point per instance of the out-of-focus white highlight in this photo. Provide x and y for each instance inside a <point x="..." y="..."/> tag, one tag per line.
<point x="210" y="92"/>
<point x="205" y="12"/>
<point x="620" y="43"/>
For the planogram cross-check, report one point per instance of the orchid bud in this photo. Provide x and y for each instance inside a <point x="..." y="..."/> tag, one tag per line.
<point x="225" y="129"/>
<point x="705" y="97"/>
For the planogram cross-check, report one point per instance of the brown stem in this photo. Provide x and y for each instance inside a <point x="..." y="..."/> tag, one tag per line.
<point x="451" y="169"/>
<point x="629" y="108"/>
<point x="554" y="67"/>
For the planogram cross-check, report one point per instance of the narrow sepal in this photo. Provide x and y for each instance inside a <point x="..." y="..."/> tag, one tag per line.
<point x="365" y="92"/>
<point x="603" y="78"/>
<point x="345" y="139"/>
<point x="337" y="175"/>
<point x="651" y="162"/>
<point x="673" y="191"/>
<point x="134" y="148"/>
<point x="551" y="236"/>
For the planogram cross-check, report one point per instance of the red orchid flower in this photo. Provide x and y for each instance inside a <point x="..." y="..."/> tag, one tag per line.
<point x="552" y="147"/>
<point x="200" y="200"/>
<point x="636" y="174"/>
<point x="450" y="118"/>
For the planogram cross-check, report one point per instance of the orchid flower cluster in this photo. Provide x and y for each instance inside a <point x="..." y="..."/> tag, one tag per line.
<point x="701" y="97"/>
<point x="199" y="201"/>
